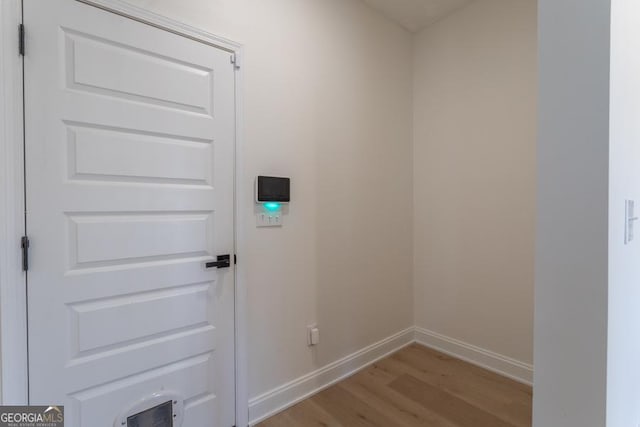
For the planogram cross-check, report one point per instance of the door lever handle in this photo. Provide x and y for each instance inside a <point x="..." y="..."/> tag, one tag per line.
<point x="223" y="261"/>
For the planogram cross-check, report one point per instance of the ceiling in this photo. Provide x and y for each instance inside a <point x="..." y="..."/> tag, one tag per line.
<point x="414" y="15"/>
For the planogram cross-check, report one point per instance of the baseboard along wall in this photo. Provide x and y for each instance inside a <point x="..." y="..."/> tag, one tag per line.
<point x="287" y="395"/>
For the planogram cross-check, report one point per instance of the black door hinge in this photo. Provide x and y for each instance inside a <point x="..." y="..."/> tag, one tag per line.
<point x="21" y="39"/>
<point x="24" y="244"/>
<point x="235" y="259"/>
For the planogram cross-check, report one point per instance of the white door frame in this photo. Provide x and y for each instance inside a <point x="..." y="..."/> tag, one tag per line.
<point x="13" y="298"/>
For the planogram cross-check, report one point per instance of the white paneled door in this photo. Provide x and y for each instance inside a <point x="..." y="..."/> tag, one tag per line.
<point x="130" y="192"/>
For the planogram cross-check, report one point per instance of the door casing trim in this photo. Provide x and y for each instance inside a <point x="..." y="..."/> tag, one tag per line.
<point x="13" y="296"/>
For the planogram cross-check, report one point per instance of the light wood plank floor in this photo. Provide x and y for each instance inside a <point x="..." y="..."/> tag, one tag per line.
<point x="415" y="387"/>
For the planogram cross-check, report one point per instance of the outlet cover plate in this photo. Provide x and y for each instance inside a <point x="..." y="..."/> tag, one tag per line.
<point x="269" y="219"/>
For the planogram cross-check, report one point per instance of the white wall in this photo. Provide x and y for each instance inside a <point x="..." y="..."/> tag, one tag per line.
<point x="623" y="376"/>
<point x="474" y="176"/>
<point x="572" y="227"/>
<point x="328" y="103"/>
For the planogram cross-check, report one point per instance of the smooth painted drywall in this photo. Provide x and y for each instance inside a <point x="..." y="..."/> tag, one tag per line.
<point x="572" y="227"/>
<point x="474" y="176"/>
<point x="327" y="96"/>
<point x="623" y="372"/>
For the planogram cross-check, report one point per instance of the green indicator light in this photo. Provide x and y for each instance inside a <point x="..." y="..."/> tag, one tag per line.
<point x="272" y="206"/>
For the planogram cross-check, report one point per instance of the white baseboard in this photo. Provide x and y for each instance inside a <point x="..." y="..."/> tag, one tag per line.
<point x="503" y="365"/>
<point x="284" y="396"/>
<point x="280" y="398"/>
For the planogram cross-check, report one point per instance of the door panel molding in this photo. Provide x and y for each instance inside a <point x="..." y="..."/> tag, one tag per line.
<point x="13" y="305"/>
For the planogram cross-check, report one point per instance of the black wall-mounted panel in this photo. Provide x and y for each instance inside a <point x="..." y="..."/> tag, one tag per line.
<point x="273" y="189"/>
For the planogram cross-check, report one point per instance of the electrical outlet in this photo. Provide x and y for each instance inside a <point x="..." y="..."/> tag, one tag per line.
<point x="313" y="335"/>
